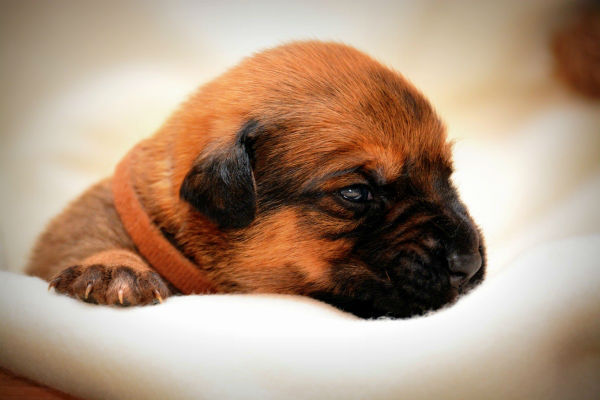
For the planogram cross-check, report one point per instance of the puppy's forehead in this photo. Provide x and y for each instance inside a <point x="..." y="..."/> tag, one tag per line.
<point x="383" y="157"/>
<point x="380" y="131"/>
<point x="323" y="104"/>
<point x="338" y="105"/>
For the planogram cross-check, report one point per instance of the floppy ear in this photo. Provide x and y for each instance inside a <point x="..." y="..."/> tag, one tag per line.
<point x="222" y="186"/>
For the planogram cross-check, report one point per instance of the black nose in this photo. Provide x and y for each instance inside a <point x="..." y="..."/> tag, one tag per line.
<point x="463" y="267"/>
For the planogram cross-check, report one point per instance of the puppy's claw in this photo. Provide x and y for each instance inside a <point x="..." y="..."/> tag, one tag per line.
<point x="158" y="297"/>
<point x="121" y="296"/>
<point x="52" y="284"/>
<point x="88" y="289"/>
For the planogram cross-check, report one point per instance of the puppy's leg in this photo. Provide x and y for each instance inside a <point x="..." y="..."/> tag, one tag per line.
<point x="115" y="276"/>
<point x="86" y="253"/>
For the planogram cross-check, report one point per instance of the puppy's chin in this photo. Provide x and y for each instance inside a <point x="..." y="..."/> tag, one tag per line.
<point x="385" y="305"/>
<point x="412" y="295"/>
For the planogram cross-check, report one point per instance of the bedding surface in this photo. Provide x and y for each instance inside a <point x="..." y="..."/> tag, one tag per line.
<point x="531" y="332"/>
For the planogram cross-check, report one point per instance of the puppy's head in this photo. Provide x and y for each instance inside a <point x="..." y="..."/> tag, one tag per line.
<point x="326" y="174"/>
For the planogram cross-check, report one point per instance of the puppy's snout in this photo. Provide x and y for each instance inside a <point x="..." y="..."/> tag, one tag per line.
<point x="463" y="253"/>
<point x="463" y="267"/>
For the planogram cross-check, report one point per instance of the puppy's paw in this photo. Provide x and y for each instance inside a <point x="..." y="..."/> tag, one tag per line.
<point x="119" y="285"/>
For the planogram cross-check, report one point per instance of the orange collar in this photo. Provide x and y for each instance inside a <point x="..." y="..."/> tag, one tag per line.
<point x="150" y="242"/>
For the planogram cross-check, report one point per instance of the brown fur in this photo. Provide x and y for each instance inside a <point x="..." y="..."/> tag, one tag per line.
<point x="326" y="112"/>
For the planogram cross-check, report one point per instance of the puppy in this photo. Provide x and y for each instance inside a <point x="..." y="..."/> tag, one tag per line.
<point x="307" y="169"/>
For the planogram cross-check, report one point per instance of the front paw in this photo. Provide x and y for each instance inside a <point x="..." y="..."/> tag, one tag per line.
<point x="119" y="285"/>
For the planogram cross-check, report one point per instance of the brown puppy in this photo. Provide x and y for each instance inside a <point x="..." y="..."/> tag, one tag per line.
<point x="307" y="169"/>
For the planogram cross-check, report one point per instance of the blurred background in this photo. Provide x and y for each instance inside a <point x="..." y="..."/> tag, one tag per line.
<point x="83" y="81"/>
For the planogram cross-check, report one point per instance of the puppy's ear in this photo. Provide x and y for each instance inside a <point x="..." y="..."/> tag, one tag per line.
<point x="221" y="185"/>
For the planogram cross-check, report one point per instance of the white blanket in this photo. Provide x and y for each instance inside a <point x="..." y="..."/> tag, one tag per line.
<point x="530" y="332"/>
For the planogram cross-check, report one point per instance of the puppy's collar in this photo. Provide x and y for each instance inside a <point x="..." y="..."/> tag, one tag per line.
<point x="168" y="261"/>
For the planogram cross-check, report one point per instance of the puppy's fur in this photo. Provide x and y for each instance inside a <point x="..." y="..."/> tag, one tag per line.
<point x="307" y="169"/>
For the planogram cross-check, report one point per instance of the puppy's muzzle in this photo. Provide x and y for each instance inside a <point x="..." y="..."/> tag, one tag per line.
<point x="464" y="251"/>
<point x="463" y="267"/>
<point x="444" y="245"/>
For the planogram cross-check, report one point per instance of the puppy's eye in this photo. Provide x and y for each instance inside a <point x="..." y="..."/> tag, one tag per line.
<point x="356" y="193"/>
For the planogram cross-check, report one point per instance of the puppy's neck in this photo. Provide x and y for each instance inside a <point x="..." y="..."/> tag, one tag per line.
<point x="152" y="244"/>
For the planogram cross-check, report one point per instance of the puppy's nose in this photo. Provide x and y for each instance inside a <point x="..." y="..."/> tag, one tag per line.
<point x="463" y="267"/>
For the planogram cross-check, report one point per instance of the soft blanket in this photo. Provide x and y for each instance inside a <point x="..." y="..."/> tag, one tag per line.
<point x="530" y="332"/>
